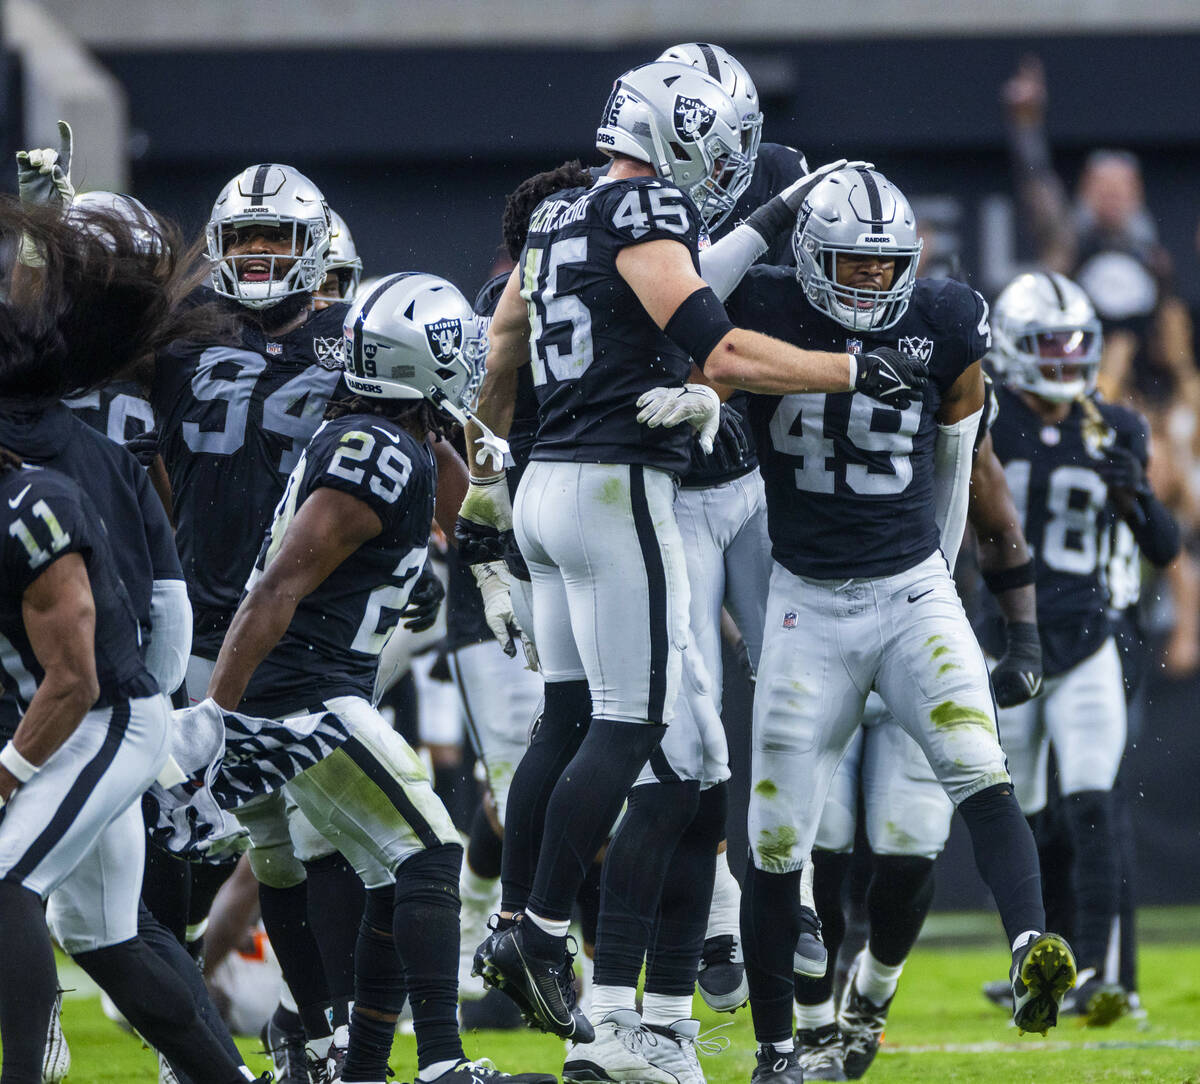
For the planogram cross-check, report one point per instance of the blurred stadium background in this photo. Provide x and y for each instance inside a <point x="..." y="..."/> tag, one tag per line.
<point x="417" y="117"/>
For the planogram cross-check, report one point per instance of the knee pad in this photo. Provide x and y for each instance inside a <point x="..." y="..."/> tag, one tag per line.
<point x="276" y="866"/>
<point x="430" y="878"/>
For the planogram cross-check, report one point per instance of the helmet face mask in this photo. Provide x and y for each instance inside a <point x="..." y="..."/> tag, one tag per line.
<point x="280" y="206"/>
<point x="1046" y="339"/>
<point x="682" y="124"/>
<point x="343" y="261"/>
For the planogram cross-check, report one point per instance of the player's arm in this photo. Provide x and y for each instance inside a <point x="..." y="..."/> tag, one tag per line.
<point x="451" y="486"/>
<point x="677" y="299"/>
<point x="60" y="620"/>
<point x="1124" y="470"/>
<point x="508" y="350"/>
<point x="329" y="526"/>
<point x="1007" y="569"/>
<point x="958" y="421"/>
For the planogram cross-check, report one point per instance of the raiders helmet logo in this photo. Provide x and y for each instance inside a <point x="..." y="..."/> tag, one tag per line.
<point x="913" y="346"/>
<point x="445" y="338"/>
<point x="693" y="119"/>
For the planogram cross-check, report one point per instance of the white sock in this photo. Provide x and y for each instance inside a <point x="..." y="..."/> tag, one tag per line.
<point x="806" y="887"/>
<point x="814" y="1016"/>
<point x="606" y="999"/>
<point x="724" y="912"/>
<point x="319" y="1048"/>
<point x="432" y="1072"/>
<point x="784" y="1046"/>
<point x="875" y="981"/>
<point x="666" y="1009"/>
<point x="1023" y="939"/>
<point x="552" y="926"/>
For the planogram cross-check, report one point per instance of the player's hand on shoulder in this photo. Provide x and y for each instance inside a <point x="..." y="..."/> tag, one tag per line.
<point x="1017" y="677"/>
<point x="424" y="601"/>
<point x="696" y="404"/>
<point x="890" y="376"/>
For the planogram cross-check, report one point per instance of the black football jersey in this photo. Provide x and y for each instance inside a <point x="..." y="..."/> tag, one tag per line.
<point x="1067" y="519"/>
<point x="593" y="348"/>
<point x="44" y="515"/>
<point x="118" y="410"/>
<point x="849" y="481"/>
<point x="332" y="646"/>
<point x="143" y="544"/>
<point x="775" y="168"/>
<point x="233" y="422"/>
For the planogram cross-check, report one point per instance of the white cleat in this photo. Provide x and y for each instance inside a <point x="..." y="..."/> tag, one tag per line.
<point x="676" y="1049"/>
<point x="56" y="1062"/>
<point x="617" y="1055"/>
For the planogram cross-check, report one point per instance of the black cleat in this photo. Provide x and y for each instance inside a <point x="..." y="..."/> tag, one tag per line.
<point x="1043" y="970"/>
<point x="861" y="1022"/>
<point x="483" y="966"/>
<point x="482" y="1071"/>
<point x="722" y="974"/>
<point x="820" y="1051"/>
<point x="1098" y="1004"/>
<point x="775" y="1067"/>
<point x="289" y="1059"/>
<point x="545" y="986"/>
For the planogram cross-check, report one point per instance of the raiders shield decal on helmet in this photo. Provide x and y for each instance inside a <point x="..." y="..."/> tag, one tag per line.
<point x="445" y="338"/>
<point x="693" y="119"/>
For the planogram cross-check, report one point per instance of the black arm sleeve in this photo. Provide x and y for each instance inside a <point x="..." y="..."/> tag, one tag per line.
<point x="1155" y="530"/>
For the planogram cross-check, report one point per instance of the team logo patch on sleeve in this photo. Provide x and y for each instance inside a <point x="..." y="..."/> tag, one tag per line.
<point x="914" y="346"/>
<point x="693" y="119"/>
<point x="445" y="338"/>
<point x="328" y="351"/>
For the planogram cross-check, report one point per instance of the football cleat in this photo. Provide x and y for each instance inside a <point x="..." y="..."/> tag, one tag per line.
<point x="335" y="1060"/>
<point x="289" y="1059"/>
<point x="722" y="974"/>
<point x="810" y="957"/>
<point x="484" y="967"/>
<point x="482" y="1071"/>
<point x="619" y="1053"/>
<point x="166" y="1075"/>
<point x="861" y="1022"/>
<point x="676" y="1048"/>
<point x="777" y="1067"/>
<point x="56" y="1061"/>
<point x="546" y="986"/>
<point x="820" y="1051"/>
<point x="1098" y="1004"/>
<point x="1043" y="970"/>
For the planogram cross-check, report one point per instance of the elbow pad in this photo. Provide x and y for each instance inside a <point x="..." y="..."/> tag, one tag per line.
<point x="952" y="455"/>
<point x="724" y="262"/>
<point x="699" y="324"/>
<point x="166" y="656"/>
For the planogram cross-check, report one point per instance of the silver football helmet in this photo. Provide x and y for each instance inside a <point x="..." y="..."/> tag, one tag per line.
<point x="278" y="198"/>
<point x="856" y="212"/>
<point x="727" y="70"/>
<point x="1046" y="339"/>
<point x="343" y="258"/>
<point x="682" y="123"/>
<point x="414" y="336"/>
<point x="143" y="225"/>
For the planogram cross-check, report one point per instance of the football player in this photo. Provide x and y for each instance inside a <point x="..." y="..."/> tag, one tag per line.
<point x="907" y="812"/>
<point x="608" y="281"/>
<point x="87" y="727"/>
<point x="866" y="504"/>
<point x="347" y="543"/>
<point x="343" y="267"/>
<point x="1076" y="466"/>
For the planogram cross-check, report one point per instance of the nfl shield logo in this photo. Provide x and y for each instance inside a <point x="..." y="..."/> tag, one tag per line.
<point x="789" y="620"/>
<point x="274" y="349"/>
<point x="693" y="119"/>
<point x="445" y="338"/>
<point x="854" y="346"/>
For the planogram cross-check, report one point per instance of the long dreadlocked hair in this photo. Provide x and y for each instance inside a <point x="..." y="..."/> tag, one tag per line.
<point x="419" y="416"/>
<point x="523" y="200"/>
<point x="107" y="294"/>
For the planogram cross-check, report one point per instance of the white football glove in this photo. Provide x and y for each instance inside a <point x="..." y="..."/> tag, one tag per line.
<point x="795" y="192"/>
<point x="696" y="404"/>
<point x="492" y="580"/>
<point x="484" y="520"/>
<point x="44" y="174"/>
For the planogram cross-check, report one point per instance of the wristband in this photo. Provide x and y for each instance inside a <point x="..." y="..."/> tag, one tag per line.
<point x="20" y="769"/>
<point x="1009" y="579"/>
<point x="772" y="219"/>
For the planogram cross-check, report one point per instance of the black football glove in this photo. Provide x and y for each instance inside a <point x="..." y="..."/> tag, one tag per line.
<point x="1122" y="471"/>
<point x="424" y="601"/>
<point x="732" y="446"/>
<point x="890" y="376"/>
<point x="144" y="447"/>
<point x="483" y="531"/>
<point x="1018" y="676"/>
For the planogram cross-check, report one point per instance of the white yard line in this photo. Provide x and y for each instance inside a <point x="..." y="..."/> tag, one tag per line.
<point x="1042" y="1047"/>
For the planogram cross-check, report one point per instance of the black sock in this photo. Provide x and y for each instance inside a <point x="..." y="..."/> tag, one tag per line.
<point x="588" y="902"/>
<point x="586" y="801"/>
<point x="285" y="917"/>
<point x="166" y="889"/>
<point x="378" y="989"/>
<point x="556" y="739"/>
<point x="829" y="875"/>
<point x="164" y="945"/>
<point x="897" y="903"/>
<point x="635" y="866"/>
<point x="483" y="846"/>
<point x="158" y="1005"/>
<point x="425" y="925"/>
<point x="1127" y="857"/>
<point x="336" y="898"/>
<point x="1006" y="857"/>
<point x="1056" y="859"/>
<point x="1097" y="888"/>
<point x="678" y="939"/>
<point x="770" y="928"/>
<point x="28" y="983"/>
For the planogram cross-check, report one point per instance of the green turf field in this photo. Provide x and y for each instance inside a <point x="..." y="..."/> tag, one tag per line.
<point x="941" y="1029"/>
